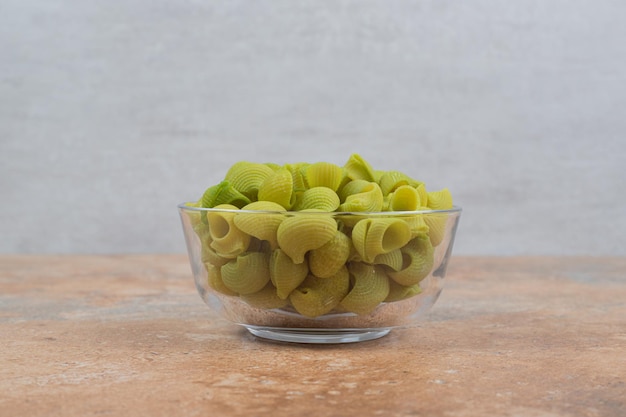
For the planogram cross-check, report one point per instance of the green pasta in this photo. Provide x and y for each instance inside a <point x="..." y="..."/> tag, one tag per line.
<point x="404" y="198"/>
<point x="375" y="236"/>
<point x="278" y="188"/>
<point x="391" y="180"/>
<point x="399" y="292"/>
<point x="227" y="240"/>
<point x="370" y="199"/>
<point x="223" y="193"/>
<point x="392" y="260"/>
<point x="265" y="298"/>
<point x="326" y="260"/>
<point x="285" y="274"/>
<point x="318" y="296"/>
<point x="299" y="234"/>
<point x="317" y="198"/>
<point x="324" y="174"/>
<point x="214" y="278"/>
<point x="247" y="273"/>
<point x="263" y="226"/>
<point x="417" y="262"/>
<point x="247" y="177"/>
<point x="359" y="169"/>
<point x="370" y="287"/>
<point x="302" y="235"/>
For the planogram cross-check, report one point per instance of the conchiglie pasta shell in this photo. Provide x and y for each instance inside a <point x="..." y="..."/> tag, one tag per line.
<point x="391" y="259"/>
<point x="399" y="292"/>
<point x="421" y="190"/>
<point x="265" y="298"/>
<point x="227" y="240"/>
<point x="436" y="223"/>
<point x="324" y="174"/>
<point x="416" y="223"/>
<point x="299" y="234"/>
<point x="370" y="200"/>
<point x="326" y="260"/>
<point x="418" y="262"/>
<point x="247" y="177"/>
<point x="374" y="236"/>
<point x="195" y="217"/>
<point x="370" y="287"/>
<point x="223" y="193"/>
<point x="358" y="168"/>
<point x="263" y="226"/>
<point x="390" y="180"/>
<point x="286" y="275"/>
<point x="319" y="198"/>
<point x="352" y="187"/>
<point x="214" y="280"/>
<point x="440" y="200"/>
<point x="297" y="172"/>
<point x="247" y="274"/>
<point x="318" y="296"/>
<point x="208" y="255"/>
<point x="278" y="188"/>
<point x="404" y="198"/>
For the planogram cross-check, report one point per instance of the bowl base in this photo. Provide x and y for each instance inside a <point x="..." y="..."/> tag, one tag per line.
<point x="317" y="336"/>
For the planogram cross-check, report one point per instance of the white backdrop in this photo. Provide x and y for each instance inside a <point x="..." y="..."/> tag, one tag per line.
<point x="111" y="113"/>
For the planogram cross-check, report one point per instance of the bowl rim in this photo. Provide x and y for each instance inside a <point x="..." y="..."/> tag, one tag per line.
<point x="186" y="206"/>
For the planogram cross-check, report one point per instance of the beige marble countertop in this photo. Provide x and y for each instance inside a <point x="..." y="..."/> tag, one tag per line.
<point x="129" y="335"/>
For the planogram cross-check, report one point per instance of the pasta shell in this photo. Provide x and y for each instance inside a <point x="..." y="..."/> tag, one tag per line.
<point x="358" y="168"/>
<point x="278" y="188"/>
<point x="352" y="187"/>
<point x="374" y="236"/>
<point x="404" y="198"/>
<point x="368" y="200"/>
<point x="299" y="234"/>
<point x="318" y="296"/>
<point x="421" y="190"/>
<point x="326" y="260"/>
<point x="418" y="262"/>
<point x="436" y="223"/>
<point x="265" y="298"/>
<point x="324" y="174"/>
<point x="319" y="198"/>
<point x="440" y="200"/>
<point x="391" y="259"/>
<point x="247" y="273"/>
<point x="399" y="292"/>
<point x="416" y="224"/>
<point x="273" y="166"/>
<point x="195" y="217"/>
<point x="215" y="280"/>
<point x="227" y="240"/>
<point x="298" y="176"/>
<point x="286" y="275"/>
<point x="263" y="226"/>
<point x="247" y="177"/>
<point x="370" y="287"/>
<point x="223" y="193"/>
<point x="208" y="255"/>
<point x="390" y="180"/>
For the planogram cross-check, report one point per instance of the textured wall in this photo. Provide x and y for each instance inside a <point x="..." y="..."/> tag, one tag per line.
<point x="111" y="113"/>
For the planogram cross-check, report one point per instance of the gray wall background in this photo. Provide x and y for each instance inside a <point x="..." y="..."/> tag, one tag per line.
<point x="112" y="112"/>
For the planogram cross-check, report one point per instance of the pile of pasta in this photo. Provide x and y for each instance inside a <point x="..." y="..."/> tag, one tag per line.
<point x="317" y="237"/>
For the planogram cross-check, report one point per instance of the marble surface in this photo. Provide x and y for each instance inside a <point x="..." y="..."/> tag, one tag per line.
<point x="116" y="335"/>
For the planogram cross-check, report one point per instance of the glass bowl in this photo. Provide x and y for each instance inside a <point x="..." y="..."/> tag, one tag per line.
<point x="319" y="277"/>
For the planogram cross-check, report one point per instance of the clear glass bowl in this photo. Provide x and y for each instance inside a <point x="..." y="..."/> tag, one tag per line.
<point x="385" y="279"/>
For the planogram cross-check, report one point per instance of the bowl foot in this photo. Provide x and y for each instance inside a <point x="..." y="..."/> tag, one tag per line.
<point x="317" y="336"/>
